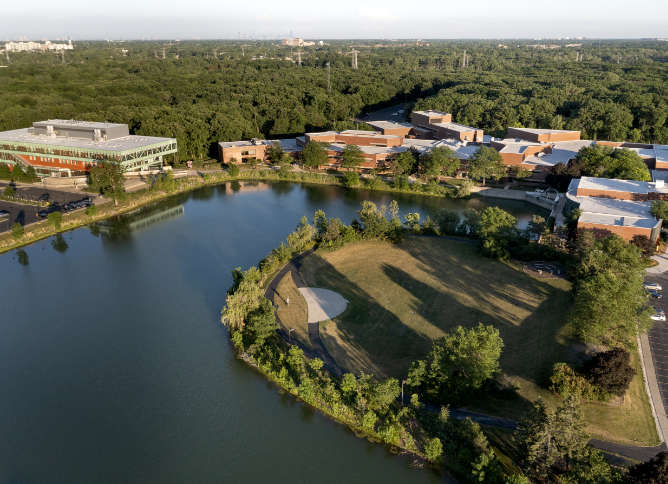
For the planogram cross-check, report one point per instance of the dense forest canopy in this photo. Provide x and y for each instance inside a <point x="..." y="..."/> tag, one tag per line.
<point x="205" y="92"/>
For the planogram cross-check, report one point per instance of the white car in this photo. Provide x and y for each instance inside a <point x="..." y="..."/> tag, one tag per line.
<point x="653" y="286"/>
<point x="659" y="315"/>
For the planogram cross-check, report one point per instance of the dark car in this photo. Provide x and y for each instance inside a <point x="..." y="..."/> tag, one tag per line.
<point x="44" y="197"/>
<point x="655" y="294"/>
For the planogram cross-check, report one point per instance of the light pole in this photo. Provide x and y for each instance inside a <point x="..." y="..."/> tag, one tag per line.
<point x="402" y="391"/>
<point x="290" y="333"/>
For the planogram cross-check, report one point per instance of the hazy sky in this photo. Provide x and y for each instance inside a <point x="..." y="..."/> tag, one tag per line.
<point x="139" y="19"/>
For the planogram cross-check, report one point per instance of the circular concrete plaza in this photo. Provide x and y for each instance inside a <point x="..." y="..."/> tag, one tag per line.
<point x="322" y="304"/>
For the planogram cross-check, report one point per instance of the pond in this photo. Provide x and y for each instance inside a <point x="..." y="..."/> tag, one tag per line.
<point x="114" y="366"/>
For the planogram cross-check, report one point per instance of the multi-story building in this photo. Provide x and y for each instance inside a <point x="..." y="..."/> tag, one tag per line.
<point x="424" y="119"/>
<point x="354" y="137"/>
<point x="253" y="150"/>
<point x="58" y="147"/>
<point x="543" y="135"/>
<point x="37" y="46"/>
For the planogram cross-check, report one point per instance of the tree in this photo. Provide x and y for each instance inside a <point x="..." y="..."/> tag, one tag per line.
<point x="433" y="449"/>
<point x="233" y="170"/>
<point x="314" y="154"/>
<point x="486" y="163"/>
<point x="261" y="323"/>
<point x="17" y="230"/>
<point x="659" y="209"/>
<point x="448" y="222"/>
<point x="403" y="163"/>
<point x="537" y="227"/>
<point x="654" y="471"/>
<point x="440" y="160"/>
<point x="275" y="152"/>
<point x="352" y="156"/>
<point x="610" y="304"/>
<point x="647" y="247"/>
<point x="610" y="370"/>
<point x="55" y="219"/>
<point x="244" y="297"/>
<point x="9" y="191"/>
<point x="107" y="179"/>
<point x="496" y="230"/>
<point x="374" y="223"/>
<point x="457" y="363"/>
<point x="605" y="161"/>
<point x="91" y="210"/>
<point x="552" y="441"/>
<point x="351" y="179"/>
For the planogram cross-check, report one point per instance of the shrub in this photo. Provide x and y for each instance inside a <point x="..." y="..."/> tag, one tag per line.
<point x="351" y="179"/>
<point x="433" y="449"/>
<point x="565" y="382"/>
<point x="610" y="371"/>
<point x="91" y="211"/>
<point x="17" y="230"/>
<point x="401" y="182"/>
<point x="8" y="191"/>
<point x="233" y="170"/>
<point x="55" y="219"/>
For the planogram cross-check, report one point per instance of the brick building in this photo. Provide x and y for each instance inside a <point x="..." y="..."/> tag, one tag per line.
<point x="252" y="150"/>
<point x="543" y="135"/>
<point x="622" y="207"/>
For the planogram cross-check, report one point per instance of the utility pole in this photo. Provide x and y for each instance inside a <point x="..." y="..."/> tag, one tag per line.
<point x="355" y="52"/>
<point x="329" y="79"/>
<point x="163" y="53"/>
<point x="62" y="56"/>
<point x="299" y="57"/>
<point x="243" y="52"/>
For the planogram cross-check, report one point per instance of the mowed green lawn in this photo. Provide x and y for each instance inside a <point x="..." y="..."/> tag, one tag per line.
<point x="404" y="296"/>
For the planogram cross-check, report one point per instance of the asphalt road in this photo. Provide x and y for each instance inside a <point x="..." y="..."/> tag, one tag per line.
<point x="658" y="339"/>
<point x="391" y="113"/>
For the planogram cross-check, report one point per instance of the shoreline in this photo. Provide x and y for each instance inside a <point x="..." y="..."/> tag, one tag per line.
<point x="41" y="230"/>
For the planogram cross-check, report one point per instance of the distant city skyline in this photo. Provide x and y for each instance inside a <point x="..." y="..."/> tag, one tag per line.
<point x="344" y="19"/>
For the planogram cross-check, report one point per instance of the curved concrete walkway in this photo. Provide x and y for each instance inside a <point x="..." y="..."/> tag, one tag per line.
<point x="322" y="304"/>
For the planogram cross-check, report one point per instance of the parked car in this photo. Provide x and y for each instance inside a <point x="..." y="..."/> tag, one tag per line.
<point x="659" y="315"/>
<point x="655" y="294"/>
<point x="653" y="286"/>
<point x="44" y="197"/>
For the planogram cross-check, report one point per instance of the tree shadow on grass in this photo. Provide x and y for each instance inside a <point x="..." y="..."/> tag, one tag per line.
<point x="366" y="328"/>
<point x="529" y="314"/>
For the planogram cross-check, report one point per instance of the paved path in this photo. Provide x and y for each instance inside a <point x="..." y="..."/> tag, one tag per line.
<point x="317" y="348"/>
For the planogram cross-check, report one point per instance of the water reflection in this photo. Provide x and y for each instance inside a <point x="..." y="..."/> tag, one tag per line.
<point x="59" y="244"/>
<point x="22" y="257"/>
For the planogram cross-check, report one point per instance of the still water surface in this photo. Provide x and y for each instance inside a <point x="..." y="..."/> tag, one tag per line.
<point x="114" y="366"/>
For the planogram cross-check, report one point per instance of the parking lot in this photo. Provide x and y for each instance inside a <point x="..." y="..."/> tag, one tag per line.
<point x="26" y="213"/>
<point x="658" y="338"/>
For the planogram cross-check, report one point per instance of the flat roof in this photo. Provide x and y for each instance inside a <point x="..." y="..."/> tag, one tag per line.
<point x="288" y="144"/>
<point x="388" y="124"/>
<point x="615" y="185"/>
<point x="544" y="131"/>
<point x="73" y="123"/>
<point x="431" y="112"/>
<point x="456" y="127"/>
<point x="610" y="211"/>
<point x="370" y="134"/>
<point x="124" y="143"/>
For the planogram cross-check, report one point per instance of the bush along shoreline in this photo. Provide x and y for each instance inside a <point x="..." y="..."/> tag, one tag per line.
<point x="371" y="407"/>
<point x="165" y="185"/>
